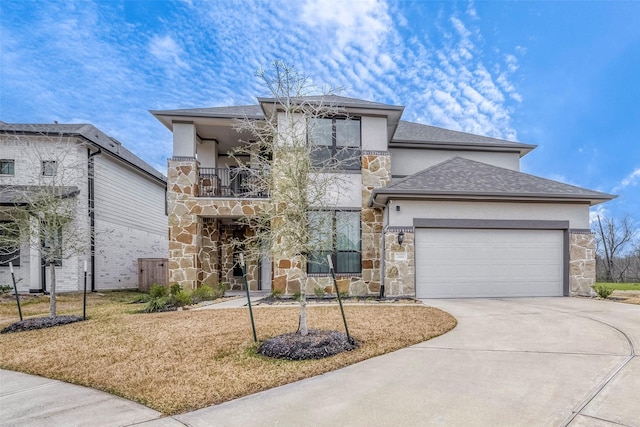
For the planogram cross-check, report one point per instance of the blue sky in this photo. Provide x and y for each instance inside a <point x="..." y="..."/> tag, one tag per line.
<point x="562" y="75"/>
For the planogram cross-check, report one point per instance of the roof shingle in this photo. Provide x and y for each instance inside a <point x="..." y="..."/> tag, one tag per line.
<point x="463" y="177"/>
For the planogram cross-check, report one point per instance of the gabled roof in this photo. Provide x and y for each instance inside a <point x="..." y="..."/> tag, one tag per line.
<point x="463" y="179"/>
<point x="417" y="135"/>
<point x="90" y="133"/>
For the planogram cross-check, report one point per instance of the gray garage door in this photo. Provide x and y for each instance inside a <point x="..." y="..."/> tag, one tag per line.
<point x="454" y="263"/>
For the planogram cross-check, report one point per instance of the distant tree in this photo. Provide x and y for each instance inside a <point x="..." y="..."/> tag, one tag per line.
<point x="289" y="163"/>
<point x="613" y="238"/>
<point x="41" y="212"/>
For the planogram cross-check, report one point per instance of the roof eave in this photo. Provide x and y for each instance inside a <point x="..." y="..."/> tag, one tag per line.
<point x="381" y="197"/>
<point x="522" y="149"/>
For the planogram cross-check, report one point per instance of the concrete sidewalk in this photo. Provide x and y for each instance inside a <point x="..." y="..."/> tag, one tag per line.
<point x="509" y="362"/>
<point x="27" y="400"/>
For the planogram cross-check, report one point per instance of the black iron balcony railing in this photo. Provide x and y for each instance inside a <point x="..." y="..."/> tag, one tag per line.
<point x="231" y="182"/>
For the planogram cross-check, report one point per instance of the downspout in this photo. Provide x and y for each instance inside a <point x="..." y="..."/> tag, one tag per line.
<point x="92" y="216"/>
<point x="373" y="203"/>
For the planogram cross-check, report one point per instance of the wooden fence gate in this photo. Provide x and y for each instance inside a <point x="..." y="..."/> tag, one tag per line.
<point x="152" y="271"/>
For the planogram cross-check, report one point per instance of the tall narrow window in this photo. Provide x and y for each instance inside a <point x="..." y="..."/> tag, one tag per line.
<point x="52" y="247"/>
<point x="336" y="141"/>
<point x="7" y="167"/>
<point x="48" y="168"/>
<point x="335" y="233"/>
<point x="9" y="243"/>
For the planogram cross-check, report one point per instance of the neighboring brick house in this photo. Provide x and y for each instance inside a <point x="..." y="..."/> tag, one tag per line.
<point x="120" y="200"/>
<point x="440" y="213"/>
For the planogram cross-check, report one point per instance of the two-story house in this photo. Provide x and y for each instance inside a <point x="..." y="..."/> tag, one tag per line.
<point x="438" y="213"/>
<point x="119" y="205"/>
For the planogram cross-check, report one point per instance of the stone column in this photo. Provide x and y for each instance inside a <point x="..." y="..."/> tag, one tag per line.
<point x="582" y="262"/>
<point x="376" y="173"/>
<point x="399" y="262"/>
<point x="209" y="258"/>
<point x="185" y="228"/>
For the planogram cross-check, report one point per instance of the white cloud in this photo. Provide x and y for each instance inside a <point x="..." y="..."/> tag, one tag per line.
<point x="167" y="50"/>
<point x="630" y="180"/>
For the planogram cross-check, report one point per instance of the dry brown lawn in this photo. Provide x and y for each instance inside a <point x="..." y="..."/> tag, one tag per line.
<point x="180" y="361"/>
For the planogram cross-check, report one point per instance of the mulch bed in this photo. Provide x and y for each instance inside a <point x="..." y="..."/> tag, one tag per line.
<point x="316" y="345"/>
<point x="40" y="323"/>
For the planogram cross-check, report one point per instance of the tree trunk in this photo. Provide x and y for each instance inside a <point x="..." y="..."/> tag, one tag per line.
<point x="303" y="317"/>
<point x="52" y="290"/>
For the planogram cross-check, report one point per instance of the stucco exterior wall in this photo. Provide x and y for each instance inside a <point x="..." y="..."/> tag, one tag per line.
<point x="407" y="161"/>
<point x="374" y="133"/>
<point x="576" y="214"/>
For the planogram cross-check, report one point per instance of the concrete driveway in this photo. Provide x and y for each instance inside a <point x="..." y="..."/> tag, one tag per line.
<point x="509" y="362"/>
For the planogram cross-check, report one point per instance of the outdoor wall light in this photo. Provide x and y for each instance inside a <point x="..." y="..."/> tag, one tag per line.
<point x="400" y="237"/>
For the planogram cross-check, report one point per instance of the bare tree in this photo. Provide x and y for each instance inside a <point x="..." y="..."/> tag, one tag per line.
<point x="300" y="175"/>
<point x="40" y="210"/>
<point x="613" y="236"/>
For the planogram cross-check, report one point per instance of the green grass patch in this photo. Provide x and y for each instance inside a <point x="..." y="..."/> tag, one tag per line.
<point x="621" y="286"/>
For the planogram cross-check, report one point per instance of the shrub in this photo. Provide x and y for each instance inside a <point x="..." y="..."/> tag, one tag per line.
<point x="175" y="288"/>
<point x="319" y="291"/>
<point x="181" y="298"/>
<point x="203" y="293"/>
<point x="158" y="291"/>
<point x="297" y="295"/>
<point x="209" y="292"/>
<point x="157" y="304"/>
<point x="5" y="289"/>
<point x="276" y="293"/>
<point x="603" y="291"/>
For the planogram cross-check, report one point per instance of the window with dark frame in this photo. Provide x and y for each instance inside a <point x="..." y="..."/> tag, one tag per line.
<point x="52" y="246"/>
<point x="336" y="233"/>
<point x="7" y="167"/>
<point x="9" y="244"/>
<point x="49" y="168"/>
<point x="336" y="140"/>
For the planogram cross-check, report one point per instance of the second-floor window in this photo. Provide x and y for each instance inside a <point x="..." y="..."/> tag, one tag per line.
<point x="49" y="168"/>
<point x="7" y="167"/>
<point x="336" y="141"/>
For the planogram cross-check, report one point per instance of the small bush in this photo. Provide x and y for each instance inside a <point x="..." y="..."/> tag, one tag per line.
<point x="181" y="298"/>
<point x="157" y="304"/>
<point x="297" y="296"/>
<point x="175" y="288"/>
<point x="602" y="291"/>
<point x="203" y="293"/>
<point x="158" y="291"/>
<point x="276" y="293"/>
<point x="319" y="291"/>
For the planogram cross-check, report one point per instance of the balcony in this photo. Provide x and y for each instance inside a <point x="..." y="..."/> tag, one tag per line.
<point x="231" y="183"/>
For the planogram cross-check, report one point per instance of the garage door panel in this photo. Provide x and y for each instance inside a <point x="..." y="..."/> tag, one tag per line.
<point x="491" y="263"/>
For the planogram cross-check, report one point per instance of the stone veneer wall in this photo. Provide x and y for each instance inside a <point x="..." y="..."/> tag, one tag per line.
<point x="209" y="252"/>
<point x="399" y="262"/>
<point x="582" y="262"/>
<point x="184" y="224"/>
<point x="193" y="245"/>
<point x="376" y="173"/>
<point x="289" y="274"/>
